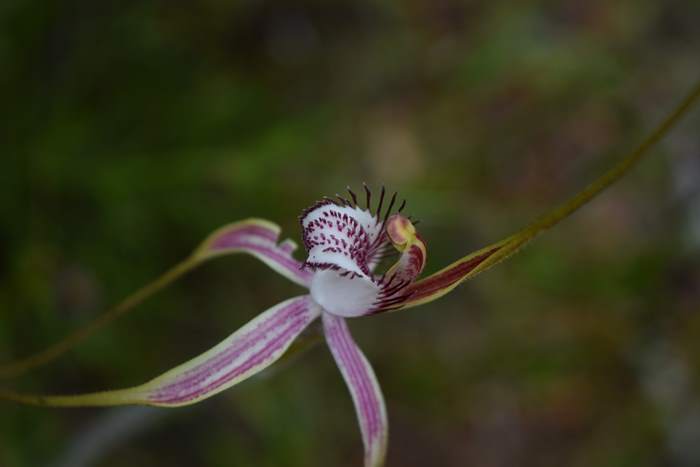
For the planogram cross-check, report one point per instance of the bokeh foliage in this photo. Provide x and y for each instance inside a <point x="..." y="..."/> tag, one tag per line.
<point x="132" y="129"/>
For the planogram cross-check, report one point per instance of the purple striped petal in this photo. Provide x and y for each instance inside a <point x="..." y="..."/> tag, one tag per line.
<point x="440" y="283"/>
<point x="259" y="238"/>
<point x="244" y="353"/>
<point x="364" y="388"/>
<point x="256" y="237"/>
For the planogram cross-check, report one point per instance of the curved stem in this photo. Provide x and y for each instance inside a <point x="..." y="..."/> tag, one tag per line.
<point x="299" y="347"/>
<point x="563" y="211"/>
<point x="440" y="283"/>
<point x="59" y="348"/>
<point x="615" y="173"/>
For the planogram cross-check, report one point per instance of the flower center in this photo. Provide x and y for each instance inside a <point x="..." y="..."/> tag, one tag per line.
<point x="345" y="243"/>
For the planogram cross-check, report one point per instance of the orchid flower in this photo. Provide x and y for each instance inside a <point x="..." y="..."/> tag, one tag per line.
<point x="346" y="240"/>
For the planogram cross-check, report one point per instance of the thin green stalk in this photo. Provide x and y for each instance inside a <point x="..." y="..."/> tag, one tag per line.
<point x="446" y="279"/>
<point x="513" y="243"/>
<point x="54" y="351"/>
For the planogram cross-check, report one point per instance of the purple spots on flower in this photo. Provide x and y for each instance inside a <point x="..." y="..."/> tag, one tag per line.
<point x="326" y="229"/>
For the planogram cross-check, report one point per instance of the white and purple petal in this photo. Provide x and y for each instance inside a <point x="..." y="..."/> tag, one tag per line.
<point x="259" y="238"/>
<point x="365" y="391"/>
<point x="244" y="353"/>
<point x="256" y="237"/>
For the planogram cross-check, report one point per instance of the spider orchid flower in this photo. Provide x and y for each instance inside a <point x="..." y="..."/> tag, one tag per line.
<point x="346" y="242"/>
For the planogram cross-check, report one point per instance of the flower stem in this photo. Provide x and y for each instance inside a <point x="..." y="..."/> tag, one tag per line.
<point x="446" y="279"/>
<point x="513" y="243"/>
<point x="54" y="351"/>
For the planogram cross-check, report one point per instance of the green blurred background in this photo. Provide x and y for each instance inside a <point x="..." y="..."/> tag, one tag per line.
<point x="131" y="129"/>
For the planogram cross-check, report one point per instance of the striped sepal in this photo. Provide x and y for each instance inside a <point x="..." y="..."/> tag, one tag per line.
<point x="363" y="386"/>
<point x="244" y="353"/>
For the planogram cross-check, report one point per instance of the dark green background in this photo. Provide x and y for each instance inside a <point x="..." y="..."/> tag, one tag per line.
<point x="129" y="130"/>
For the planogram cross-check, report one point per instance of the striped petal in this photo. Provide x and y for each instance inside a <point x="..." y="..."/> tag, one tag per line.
<point x="447" y="279"/>
<point x="256" y="237"/>
<point x="244" y="353"/>
<point x="259" y="238"/>
<point x="364" y="388"/>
